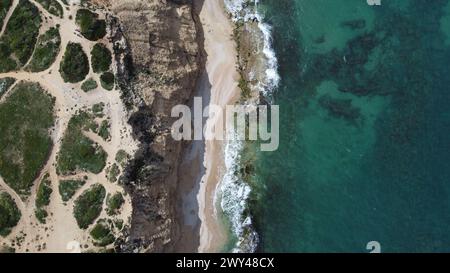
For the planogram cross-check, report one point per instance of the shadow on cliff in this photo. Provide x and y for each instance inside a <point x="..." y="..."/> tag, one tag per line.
<point x="192" y="169"/>
<point x="164" y="182"/>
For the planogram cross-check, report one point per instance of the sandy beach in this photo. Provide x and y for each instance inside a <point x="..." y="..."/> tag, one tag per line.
<point x="223" y="79"/>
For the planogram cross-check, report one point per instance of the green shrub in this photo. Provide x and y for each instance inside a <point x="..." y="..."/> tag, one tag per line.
<point x="122" y="157"/>
<point x="112" y="173"/>
<point x="6" y="62"/>
<point x="101" y="233"/>
<point x="97" y="109"/>
<point x="103" y="131"/>
<point x="43" y="198"/>
<point x="44" y="192"/>
<point x="75" y="65"/>
<point x="114" y="203"/>
<point x="52" y="6"/>
<point x="46" y="51"/>
<point x="25" y="118"/>
<point x="5" y="84"/>
<point x="79" y="152"/>
<point x="107" y="80"/>
<point x="90" y="26"/>
<point x="100" y="58"/>
<point x="9" y="214"/>
<point x="41" y="214"/>
<point x="89" y="205"/>
<point x="88" y="85"/>
<point x="118" y="223"/>
<point x="17" y="43"/>
<point x="4" y="7"/>
<point x="68" y="188"/>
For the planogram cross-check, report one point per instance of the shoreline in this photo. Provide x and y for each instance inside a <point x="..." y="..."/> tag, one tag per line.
<point x="222" y="76"/>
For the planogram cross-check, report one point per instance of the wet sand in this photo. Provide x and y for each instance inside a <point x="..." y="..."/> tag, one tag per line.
<point x="223" y="79"/>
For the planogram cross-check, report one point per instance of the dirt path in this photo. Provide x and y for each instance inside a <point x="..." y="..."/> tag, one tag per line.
<point x="14" y="195"/>
<point x="8" y="16"/>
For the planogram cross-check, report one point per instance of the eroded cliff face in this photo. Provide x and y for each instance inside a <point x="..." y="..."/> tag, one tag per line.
<point x="158" y="45"/>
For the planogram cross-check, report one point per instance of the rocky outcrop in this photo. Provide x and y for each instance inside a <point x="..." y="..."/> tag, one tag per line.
<point x="158" y="53"/>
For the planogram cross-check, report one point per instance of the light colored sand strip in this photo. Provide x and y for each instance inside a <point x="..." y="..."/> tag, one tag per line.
<point x="14" y="195"/>
<point x="223" y="77"/>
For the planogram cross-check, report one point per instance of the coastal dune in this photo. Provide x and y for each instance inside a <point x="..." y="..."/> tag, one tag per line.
<point x="222" y="75"/>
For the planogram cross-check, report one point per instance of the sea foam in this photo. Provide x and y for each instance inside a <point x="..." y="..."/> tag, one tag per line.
<point x="247" y="10"/>
<point x="234" y="195"/>
<point x="234" y="192"/>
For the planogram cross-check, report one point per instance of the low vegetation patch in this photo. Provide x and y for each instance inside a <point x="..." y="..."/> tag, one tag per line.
<point x="90" y="26"/>
<point x="107" y="80"/>
<point x="5" y="84"/>
<point x="101" y="233"/>
<point x="118" y="224"/>
<point x="17" y="43"/>
<point x="68" y="188"/>
<point x="43" y="199"/>
<point x="9" y="214"/>
<point x="52" y="6"/>
<point x="104" y="129"/>
<point x="74" y="65"/>
<point x="4" y="7"/>
<point x="89" y="85"/>
<point x="97" y="109"/>
<point x="89" y="205"/>
<point x="25" y="118"/>
<point x="122" y="158"/>
<point x="100" y="58"/>
<point x="78" y="152"/>
<point x="114" y="203"/>
<point x="112" y="173"/>
<point x="245" y="89"/>
<point x="47" y="48"/>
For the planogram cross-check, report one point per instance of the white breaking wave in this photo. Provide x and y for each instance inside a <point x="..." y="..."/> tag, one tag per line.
<point x="247" y="10"/>
<point x="235" y="7"/>
<point x="234" y="196"/>
<point x="233" y="190"/>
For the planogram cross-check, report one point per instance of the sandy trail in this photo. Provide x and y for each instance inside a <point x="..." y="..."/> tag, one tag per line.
<point x="223" y="77"/>
<point x="8" y="16"/>
<point x="14" y="195"/>
<point x="61" y="228"/>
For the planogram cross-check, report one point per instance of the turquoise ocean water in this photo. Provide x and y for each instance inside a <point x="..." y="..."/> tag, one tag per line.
<point x="365" y="128"/>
